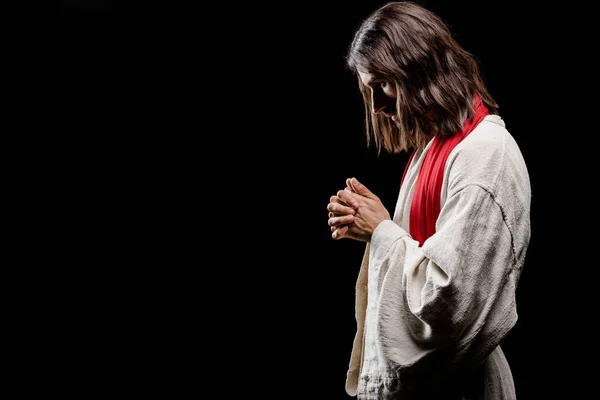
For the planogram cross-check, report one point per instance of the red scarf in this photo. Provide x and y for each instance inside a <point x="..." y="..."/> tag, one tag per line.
<point x="425" y="207"/>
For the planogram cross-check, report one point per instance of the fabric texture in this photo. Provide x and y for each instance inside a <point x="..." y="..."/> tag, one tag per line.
<point x="431" y="317"/>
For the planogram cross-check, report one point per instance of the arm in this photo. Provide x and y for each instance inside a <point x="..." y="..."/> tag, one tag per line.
<point x="445" y="306"/>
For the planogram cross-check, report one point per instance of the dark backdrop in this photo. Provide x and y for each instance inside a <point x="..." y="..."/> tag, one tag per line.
<point x="194" y="150"/>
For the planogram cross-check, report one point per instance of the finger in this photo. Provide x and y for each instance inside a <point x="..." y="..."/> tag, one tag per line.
<point x="342" y="220"/>
<point x="348" y="198"/>
<point x="339" y="233"/>
<point x="359" y="188"/>
<point x="336" y="199"/>
<point x="340" y="209"/>
<point x="333" y="214"/>
<point x="349" y="183"/>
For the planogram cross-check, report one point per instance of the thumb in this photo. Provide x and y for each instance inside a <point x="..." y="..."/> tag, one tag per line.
<point x="360" y="188"/>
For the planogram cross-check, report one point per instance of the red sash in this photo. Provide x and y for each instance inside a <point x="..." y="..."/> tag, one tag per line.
<point x="425" y="207"/>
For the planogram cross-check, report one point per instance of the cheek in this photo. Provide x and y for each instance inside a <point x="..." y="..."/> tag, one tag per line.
<point x="390" y="92"/>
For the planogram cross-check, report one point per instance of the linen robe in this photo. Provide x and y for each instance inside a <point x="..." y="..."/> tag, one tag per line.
<point x="430" y="318"/>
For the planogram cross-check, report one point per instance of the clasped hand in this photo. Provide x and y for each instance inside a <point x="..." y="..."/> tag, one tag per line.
<point x="355" y="212"/>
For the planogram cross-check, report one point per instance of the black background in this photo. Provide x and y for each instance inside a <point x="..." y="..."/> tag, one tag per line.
<point x="192" y="151"/>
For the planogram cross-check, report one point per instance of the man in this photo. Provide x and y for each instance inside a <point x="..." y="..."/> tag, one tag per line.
<point x="435" y="295"/>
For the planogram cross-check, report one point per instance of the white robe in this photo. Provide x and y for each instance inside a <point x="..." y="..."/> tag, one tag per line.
<point x="433" y="316"/>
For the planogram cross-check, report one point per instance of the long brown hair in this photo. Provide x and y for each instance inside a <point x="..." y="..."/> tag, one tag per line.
<point x="435" y="77"/>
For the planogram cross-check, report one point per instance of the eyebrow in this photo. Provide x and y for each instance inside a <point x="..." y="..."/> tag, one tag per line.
<point x="374" y="80"/>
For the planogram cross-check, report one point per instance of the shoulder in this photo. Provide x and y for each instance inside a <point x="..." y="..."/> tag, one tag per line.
<point x="488" y="157"/>
<point x="490" y="137"/>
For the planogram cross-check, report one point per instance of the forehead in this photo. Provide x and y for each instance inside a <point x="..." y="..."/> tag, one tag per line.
<point x="366" y="77"/>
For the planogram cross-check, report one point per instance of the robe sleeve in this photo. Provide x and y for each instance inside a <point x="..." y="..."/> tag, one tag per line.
<point x="445" y="306"/>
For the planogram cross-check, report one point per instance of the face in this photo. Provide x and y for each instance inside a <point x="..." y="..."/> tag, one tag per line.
<point x="383" y="94"/>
